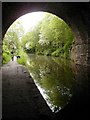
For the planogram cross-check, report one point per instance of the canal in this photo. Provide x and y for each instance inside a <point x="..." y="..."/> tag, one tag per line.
<point x="55" y="79"/>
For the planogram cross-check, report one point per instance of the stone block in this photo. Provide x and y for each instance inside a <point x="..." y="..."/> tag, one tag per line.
<point x="89" y="40"/>
<point x="79" y="54"/>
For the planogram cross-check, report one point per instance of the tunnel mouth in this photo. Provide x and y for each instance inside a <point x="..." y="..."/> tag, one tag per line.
<point x="30" y="21"/>
<point x="38" y="39"/>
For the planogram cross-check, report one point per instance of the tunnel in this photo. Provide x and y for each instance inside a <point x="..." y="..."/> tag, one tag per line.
<point x="76" y="16"/>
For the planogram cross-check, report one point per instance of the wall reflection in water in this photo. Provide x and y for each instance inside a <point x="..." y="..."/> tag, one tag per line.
<point x="77" y="108"/>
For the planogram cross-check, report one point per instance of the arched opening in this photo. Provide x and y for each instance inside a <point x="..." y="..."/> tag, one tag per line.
<point x="76" y="16"/>
<point x="39" y="33"/>
<point x="42" y="33"/>
<point x="35" y="36"/>
<point x="68" y="12"/>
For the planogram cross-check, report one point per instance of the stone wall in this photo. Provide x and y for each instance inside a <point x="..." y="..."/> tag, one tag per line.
<point x="89" y="54"/>
<point x="79" y="54"/>
<point x="0" y="55"/>
<point x="0" y="34"/>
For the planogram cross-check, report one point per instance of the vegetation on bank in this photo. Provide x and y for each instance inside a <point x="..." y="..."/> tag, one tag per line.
<point x="50" y="37"/>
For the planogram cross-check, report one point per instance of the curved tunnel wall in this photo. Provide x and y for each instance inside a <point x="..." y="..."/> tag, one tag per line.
<point x="74" y="14"/>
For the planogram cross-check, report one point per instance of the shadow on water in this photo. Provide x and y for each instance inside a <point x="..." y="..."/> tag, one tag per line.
<point x="62" y="84"/>
<point x="77" y="107"/>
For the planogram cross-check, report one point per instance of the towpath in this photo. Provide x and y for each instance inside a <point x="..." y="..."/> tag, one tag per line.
<point x="20" y="96"/>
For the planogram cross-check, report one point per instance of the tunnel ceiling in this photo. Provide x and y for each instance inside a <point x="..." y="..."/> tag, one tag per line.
<point x="75" y="14"/>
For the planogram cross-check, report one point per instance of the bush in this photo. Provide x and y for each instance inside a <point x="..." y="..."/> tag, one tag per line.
<point x="6" y="58"/>
<point x="23" y="57"/>
<point x="57" y="53"/>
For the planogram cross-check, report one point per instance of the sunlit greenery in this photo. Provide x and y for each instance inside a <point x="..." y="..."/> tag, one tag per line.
<point x="23" y="57"/>
<point x="6" y="53"/>
<point x="50" y="37"/>
<point x="12" y="41"/>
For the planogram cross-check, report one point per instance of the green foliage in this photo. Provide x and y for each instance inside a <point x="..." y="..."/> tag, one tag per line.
<point x="6" y="54"/>
<point x="6" y="58"/>
<point x="52" y="36"/>
<point x="23" y="57"/>
<point x="12" y="41"/>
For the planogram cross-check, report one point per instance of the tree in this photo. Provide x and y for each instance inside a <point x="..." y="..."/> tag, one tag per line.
<point x="12" y="40"/>
<point x="52" y="36"/>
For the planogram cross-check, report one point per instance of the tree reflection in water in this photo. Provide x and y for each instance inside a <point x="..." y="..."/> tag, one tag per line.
<point x="54" y="78"/>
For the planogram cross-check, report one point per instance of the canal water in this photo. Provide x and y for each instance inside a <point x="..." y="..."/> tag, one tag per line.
<point x="54" y="78"/>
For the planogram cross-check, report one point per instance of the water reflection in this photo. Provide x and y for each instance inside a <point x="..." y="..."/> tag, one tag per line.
<point x="54" y="78"/>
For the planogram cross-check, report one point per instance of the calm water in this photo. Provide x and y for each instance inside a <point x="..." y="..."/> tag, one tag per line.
<point x="54" y="78"/>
